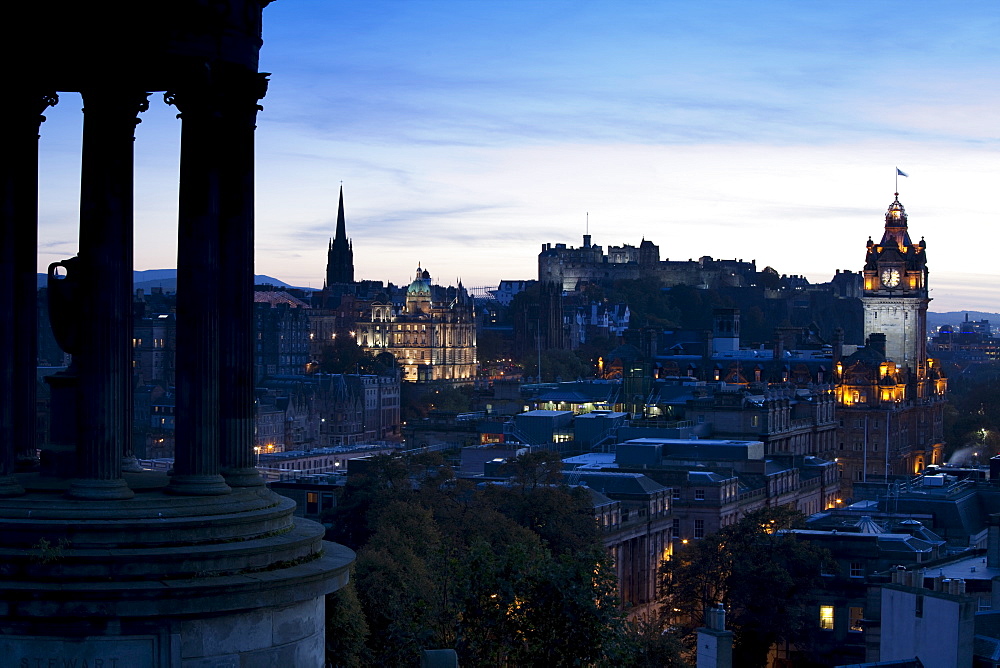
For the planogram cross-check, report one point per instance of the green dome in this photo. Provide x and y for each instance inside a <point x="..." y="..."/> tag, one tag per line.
<point x="419" y="286"/>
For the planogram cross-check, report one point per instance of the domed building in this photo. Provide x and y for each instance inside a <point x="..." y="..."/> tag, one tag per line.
<point x="432" y="334"/>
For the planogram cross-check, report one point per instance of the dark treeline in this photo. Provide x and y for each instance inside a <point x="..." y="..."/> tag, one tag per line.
<point x="506" y="575"/>
<point x="972" y="415"/>
<point x="685" y="307"/>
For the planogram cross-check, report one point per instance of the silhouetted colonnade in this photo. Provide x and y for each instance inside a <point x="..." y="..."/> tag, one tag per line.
<point x="92" y="309"/>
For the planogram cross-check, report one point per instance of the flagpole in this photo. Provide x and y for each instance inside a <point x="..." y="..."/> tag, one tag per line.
<point x="897" y="181"/>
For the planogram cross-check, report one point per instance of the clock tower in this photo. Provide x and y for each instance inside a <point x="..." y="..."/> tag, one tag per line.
<point x="895" y="296"/>
<point x="890" y="395"/>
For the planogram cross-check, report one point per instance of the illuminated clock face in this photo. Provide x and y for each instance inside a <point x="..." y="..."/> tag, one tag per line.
<point x="890" y="277"/>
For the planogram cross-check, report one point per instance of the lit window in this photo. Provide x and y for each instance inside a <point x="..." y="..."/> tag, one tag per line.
<point x="826" y="617"/>
<point x="856" y="615"/>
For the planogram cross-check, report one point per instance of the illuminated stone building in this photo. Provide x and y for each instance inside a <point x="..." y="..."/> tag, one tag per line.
<point x="890" y="395"/>
<point x="432" y="335"/>
<point x="564" y="271"/>
<point x="571" y="268"/>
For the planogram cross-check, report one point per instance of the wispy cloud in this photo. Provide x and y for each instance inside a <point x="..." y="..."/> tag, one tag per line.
<point x="467" y="134"/>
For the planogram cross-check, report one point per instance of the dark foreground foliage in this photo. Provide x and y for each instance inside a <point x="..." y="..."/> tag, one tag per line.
<point x="509" y="575"/>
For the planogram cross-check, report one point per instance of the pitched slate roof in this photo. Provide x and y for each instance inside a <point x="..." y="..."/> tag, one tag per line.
<point x="275" y="298"/>
<point x="614" y="483"/>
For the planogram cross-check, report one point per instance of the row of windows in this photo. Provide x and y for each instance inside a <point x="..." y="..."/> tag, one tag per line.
<point x="855" y="615"/>
<point x="156" y="343"/>
<point x="699" y="528"/>
<point x="860" y="445"/>
<point x="727" y="492"/>
<point x="313" y="499"/>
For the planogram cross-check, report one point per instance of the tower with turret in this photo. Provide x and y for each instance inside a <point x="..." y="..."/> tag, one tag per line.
<point x="895" y="296"/>
<point x="890" y="395"/>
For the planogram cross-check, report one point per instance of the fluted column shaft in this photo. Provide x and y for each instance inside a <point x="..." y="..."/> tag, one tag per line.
<point x="236" y="281"/>
<point x="104" y="360"/>
<point x="20" y="116"/>
<point x="197" y="432"/>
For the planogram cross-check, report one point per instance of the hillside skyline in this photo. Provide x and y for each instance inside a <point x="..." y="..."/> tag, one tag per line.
<point x="466" y="135"/>
<point x="166" y="278"/>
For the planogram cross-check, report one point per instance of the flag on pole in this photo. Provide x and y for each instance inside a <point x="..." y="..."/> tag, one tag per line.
<point x="900" y="172"/>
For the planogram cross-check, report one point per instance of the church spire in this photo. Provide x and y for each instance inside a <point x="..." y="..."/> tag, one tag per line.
<point x="341" y="226"/>
<point x="340" y="255"/>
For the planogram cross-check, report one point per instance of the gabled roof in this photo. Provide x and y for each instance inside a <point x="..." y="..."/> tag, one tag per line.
<point x="597" y="499"/>
<point x="277" y="297"/>
<point x="614" y="483"/>
<point x="705" y="477"/>
<point x="867" y="525"/>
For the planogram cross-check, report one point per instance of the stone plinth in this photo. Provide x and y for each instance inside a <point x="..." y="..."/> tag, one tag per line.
<point x="162" y="580"/>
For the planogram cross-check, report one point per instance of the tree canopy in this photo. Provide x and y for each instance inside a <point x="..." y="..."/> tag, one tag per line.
<point x="346" y="356"/>
<point x="761" y="575"/>
<point x="972" y="418"/>
<point x="505" y="574"/>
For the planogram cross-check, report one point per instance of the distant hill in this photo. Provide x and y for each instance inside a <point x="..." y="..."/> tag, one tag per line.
<point x="167" y="279"/>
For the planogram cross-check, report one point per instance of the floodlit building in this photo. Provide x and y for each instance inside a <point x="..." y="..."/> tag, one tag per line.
<point x="432" y="334"/>
<point x="890" y="395"/>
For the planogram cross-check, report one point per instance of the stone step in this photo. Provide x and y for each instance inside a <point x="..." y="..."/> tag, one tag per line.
<point x="158" y="598"/>
<point x="61" y="563"/>
<point x="171" y="526"/>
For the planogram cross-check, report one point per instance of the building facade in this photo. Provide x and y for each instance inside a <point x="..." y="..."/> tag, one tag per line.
<point x="570" y="268"/>
<point x="282" y="329"/>
<point x="432" y="335"/>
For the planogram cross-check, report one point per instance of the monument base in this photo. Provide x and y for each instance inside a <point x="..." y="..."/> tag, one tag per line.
<point x="161" y="580"/>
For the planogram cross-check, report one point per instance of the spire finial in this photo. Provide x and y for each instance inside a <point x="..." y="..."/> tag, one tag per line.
<point x="341" y="234"/>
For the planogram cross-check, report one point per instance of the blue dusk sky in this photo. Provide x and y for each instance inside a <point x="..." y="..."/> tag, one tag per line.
<point x="469" y="133"/>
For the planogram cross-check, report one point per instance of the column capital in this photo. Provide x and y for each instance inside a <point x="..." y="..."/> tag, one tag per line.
<point x="42" y="101"/>
<point x="113" y="102"/>
<point x="220" y="91"/>
<point x="26" y="106"/>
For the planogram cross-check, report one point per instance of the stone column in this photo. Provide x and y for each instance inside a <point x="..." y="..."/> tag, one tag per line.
<point x="196" y="451"/>
<point x="20" y="116"/>
<point x="104" y="327"/>
<point x="236" y="318"/>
